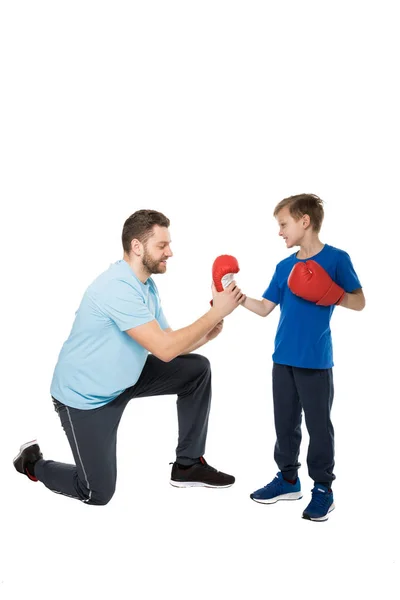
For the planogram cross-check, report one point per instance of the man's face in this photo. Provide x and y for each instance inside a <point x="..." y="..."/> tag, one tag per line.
<point x="291" y="230"/>
<point x="157" y="250"/>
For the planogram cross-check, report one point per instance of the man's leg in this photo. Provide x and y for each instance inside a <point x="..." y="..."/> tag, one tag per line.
<point x="188" y="376"/>
<point x="92" y="435"/>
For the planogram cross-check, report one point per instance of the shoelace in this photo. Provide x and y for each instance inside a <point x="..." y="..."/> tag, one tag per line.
<point x="275" y="483"/>
<point x="209" y="467"/>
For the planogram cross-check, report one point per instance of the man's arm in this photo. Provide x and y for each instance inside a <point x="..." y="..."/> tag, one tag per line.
<point x="201" y="342"/>
<point x="215" y="331"/>
<point x="167" y="345"/>
<point x="353" y="300"/>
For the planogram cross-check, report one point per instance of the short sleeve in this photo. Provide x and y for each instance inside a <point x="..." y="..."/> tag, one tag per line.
<point x="346" y="276"/>
<point x="162" y="321"/>
<point x="272" y="293"/>
<point x="125" y="306"/>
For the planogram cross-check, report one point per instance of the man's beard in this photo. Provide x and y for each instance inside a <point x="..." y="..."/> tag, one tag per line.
<point x="151" y="265"/>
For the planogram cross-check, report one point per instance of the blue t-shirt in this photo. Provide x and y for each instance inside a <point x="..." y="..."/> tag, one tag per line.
<point x="303" y="338"/>
<point x="100" y="360"/>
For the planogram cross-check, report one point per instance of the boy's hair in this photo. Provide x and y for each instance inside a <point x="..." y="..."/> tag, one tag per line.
<point x="140" y="225"/>
<point x="304" y="204"/>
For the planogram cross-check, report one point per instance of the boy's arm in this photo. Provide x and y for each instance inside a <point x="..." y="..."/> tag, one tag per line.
<point x="347" y="278"/>
<point x="353" y="300"/>
<point x="260" y="307"/>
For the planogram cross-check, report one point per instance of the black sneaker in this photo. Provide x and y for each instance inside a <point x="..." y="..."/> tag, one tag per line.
<point x="200" y="474"/>
<point x="29" y="453"/>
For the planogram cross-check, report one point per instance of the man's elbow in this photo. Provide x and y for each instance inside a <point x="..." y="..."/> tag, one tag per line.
<point x="164" y="348"/>
<point x="166" y="353"/>
<point x="163" y="355"/>
<point x="167" y="358"/>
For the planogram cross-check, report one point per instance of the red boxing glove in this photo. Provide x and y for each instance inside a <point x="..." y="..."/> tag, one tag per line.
<point x="223" y="271"/>
<point x="311" y="282"/>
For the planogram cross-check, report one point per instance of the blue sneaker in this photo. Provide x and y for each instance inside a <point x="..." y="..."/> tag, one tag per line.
<point x="321" y="504"/>
<point x="278" y="489"/>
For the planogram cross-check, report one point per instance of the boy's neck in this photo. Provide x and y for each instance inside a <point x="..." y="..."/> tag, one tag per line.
<point x="310" y="248"/>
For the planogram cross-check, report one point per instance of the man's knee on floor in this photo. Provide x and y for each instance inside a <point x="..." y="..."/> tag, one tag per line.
<point x="101" y="497"/>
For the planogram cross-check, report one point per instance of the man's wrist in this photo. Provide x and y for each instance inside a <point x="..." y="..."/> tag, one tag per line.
<point x="216" y="314"/>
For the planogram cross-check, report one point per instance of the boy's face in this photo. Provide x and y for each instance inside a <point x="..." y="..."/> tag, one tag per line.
<point x="291" y="230"/>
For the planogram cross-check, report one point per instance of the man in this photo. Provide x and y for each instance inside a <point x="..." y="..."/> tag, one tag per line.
<point x="121" y="347"/>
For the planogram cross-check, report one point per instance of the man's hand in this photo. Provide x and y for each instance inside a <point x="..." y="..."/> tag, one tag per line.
<point x="225" y="302"/>
<point x="214" y="332"/>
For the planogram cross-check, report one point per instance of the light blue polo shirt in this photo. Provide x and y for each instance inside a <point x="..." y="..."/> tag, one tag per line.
<point x="100" y="360"/>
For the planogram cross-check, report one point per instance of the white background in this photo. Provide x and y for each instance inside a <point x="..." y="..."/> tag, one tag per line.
<point x="210" y="112"/>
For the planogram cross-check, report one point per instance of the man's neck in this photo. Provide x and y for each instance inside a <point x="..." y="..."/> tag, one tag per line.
<point x="141" y="273"/>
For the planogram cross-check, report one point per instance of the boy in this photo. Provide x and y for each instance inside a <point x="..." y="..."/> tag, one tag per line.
<point x="307" y="285"/>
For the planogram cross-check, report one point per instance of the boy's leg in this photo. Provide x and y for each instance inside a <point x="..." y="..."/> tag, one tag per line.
<point x="287" y="415"/>
<point x="92" y="435"/>
<point x="316" y="391"/>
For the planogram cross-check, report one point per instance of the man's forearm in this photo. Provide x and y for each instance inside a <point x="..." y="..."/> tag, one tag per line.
<point x="191" y="337"/>
<point x="195" y="346"/>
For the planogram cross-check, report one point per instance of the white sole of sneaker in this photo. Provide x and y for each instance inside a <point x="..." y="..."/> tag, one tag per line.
<point x="290" y="496"/>
<point x="23" y="447"/>
<point x="188" y="484"/>
<point x="324" y="518"/>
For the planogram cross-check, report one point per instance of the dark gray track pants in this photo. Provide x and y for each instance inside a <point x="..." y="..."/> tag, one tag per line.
<point x="92" y="434"/>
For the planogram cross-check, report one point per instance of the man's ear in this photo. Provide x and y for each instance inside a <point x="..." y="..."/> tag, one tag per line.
<point x="136" y="247"/>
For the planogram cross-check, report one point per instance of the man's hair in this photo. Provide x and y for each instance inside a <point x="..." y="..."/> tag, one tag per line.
<point x="304" y="204"/>
<point x="140" y="225"/>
